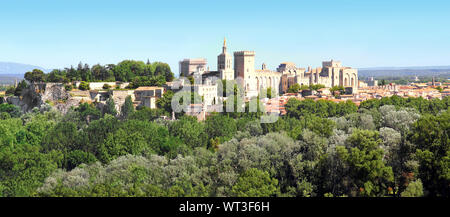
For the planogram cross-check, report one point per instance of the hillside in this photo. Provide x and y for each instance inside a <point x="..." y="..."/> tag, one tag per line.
<point x="440" y="71"/>
<point x="18" y="68"/>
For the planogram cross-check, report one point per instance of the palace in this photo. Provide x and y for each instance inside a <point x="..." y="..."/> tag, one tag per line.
<point x="332" y="73"/>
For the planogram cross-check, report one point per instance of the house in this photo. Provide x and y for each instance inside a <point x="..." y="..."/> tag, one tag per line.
<point x="147" y="96"/>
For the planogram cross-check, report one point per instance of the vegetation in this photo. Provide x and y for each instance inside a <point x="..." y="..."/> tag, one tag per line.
<point x="295" y="88"/>
<point x="84" y="86"/>
<point x="390" y="147"/>
<point x="136" y="72"/>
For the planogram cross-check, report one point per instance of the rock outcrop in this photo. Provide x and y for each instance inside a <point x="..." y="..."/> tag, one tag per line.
<point x="55" y="95"/>
<point x="38" y="94"/>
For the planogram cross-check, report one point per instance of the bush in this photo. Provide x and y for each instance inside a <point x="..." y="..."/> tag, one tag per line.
<point x="12" y="110"/>
<point x="84" y="86"/>
<point x="68" y="87"/>
<point x="77" y="157"/>
<point x="10" y="91"/>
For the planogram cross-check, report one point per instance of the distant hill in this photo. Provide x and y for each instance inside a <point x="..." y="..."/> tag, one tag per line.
<point x="18" y="68"/>
<point x="10" y="79"/>
<point x="405" y="71"/>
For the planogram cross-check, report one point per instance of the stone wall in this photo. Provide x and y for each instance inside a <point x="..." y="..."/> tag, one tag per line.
<point x="99" y="85"/>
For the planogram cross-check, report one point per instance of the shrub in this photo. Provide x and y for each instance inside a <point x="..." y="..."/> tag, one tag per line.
<point x="68" y="87"/>
<point x="84" y="86"/>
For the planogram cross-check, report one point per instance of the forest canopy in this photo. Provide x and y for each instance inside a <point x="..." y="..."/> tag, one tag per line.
<point x="124" y="71"/>
<point x="390" y="147"/>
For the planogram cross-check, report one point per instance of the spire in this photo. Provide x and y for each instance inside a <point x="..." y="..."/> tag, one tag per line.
<point x="224" y="48"/>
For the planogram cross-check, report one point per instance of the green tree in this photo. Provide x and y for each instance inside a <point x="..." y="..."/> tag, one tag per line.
<point x="127" y="107"/>
<point x="12" y="110"/>
<point x="431" y="135"/>
<point x="77" y="157"/>
<point x="337" y="90"/>
<point x="87" y="112"/>
<point x="165" y="102"/>
<point x="316" y="86"/>
<point x="35" y="76"/>
<point x="414" y="189"/>
<point x="190" y="131"/>
<point x="110" y="107"/>
<point x="367" y="171"/>
<point x="221" y="127"/>
<point x="127" y="70"/>
<point x="22" y="85"/>
<point x="294" y="88"/>
<point x="62" y="137"/>
<point x="255" y="183"/>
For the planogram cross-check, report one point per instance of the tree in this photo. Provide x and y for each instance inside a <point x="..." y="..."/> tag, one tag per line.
<point x="255" y="183"/>
<point x="337" y="90"/>
<point x="414" y="189"/>
<point x="147" y="114"/>
<point x="87" y="112"/>
<point x="368" y="173"/>
<point x="12" y="110"/>
<point x="127" y="70"/>
<point x="24" y="169"/>
<point x="294" y="88"/>
<point x="316" y="86"/>
<point x="34" y="76"/>
<point x="110" y="107"/>
<point x="22" y="85"/>
<point x="190" y="131"/>
<point x="269" y="92"/>
<point x="140" y="81"/>
<point x="220" y="126"/>
<point x="165" y="102"/>
<point x="431" y="135"/>
<point x="127" y="107"/>
<point x="77" y="157"/>
<point x="62" y="137"/>
<point x="163" y="69"/>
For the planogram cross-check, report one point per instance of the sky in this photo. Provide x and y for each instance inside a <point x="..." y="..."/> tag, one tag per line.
<point x="57" y="34"/>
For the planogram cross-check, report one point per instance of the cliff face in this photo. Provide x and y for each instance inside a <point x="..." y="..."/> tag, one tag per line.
<point x="55" y="95"/>
<point x="38" y="94"/>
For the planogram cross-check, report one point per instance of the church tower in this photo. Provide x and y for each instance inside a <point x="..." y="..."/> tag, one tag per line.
<point x="224" y="64"/>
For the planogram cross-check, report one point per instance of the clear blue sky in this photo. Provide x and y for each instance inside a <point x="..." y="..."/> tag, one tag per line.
<point x="56" y="33"/>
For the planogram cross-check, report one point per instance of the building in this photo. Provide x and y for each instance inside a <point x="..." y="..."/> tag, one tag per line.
<point x="224" y="64"/>
<point x="208" y="91"/>
<point x="371" y="82"/>
<point x="147" y="96"/>
<point x="253" y="80"/>
<point x="190" y="66"/>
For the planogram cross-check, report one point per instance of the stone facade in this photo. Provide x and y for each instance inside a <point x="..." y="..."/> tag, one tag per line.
<point x="253" y="81"/>
<point x="190" y="66"/>
<point x="208" y="91"/>
<point x="147" y="96"/>
<point x="99" y="85"/>
<point x="332" y="73"/>
<point x="371" y="82"/>
<point x="224" y="64"/>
